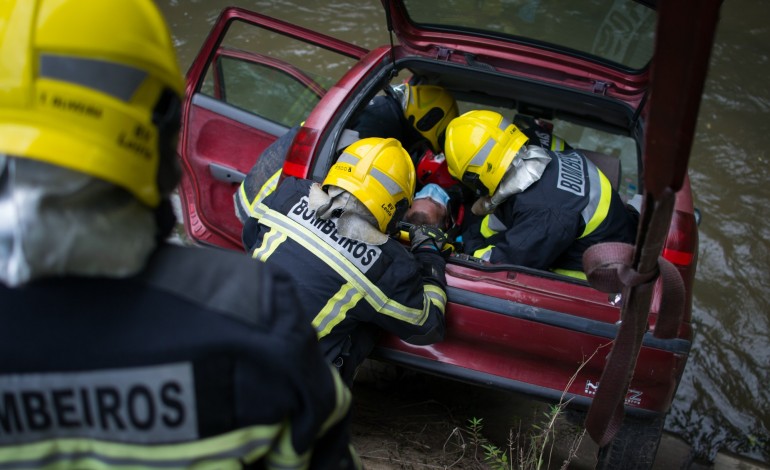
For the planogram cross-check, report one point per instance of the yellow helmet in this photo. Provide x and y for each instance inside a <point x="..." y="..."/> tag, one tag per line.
<point x="480" y="146"/>
<point x="93" y="86"/>
<point x="380" y="174"/>
<point x="429" y="109"/>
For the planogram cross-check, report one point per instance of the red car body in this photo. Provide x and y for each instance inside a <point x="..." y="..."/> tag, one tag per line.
<point x="518" y="329"/>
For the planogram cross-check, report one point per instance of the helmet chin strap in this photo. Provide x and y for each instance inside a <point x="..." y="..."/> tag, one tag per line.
<point x="525" y="169"/>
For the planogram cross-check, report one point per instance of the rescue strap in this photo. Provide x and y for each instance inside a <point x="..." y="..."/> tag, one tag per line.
<point x="609" y="268"/>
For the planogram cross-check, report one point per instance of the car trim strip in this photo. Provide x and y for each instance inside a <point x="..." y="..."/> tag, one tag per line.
<point x="558" y="319"/>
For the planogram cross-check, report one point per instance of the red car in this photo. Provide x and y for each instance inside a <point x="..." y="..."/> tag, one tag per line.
<point x="585" y="70"/>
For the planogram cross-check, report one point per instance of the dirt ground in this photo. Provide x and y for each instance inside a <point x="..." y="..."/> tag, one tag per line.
<point x="407" y="420"/>
<point x="411" y="421"/>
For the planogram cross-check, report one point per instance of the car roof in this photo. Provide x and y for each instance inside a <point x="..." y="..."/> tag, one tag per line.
<point x="617" y="33"/>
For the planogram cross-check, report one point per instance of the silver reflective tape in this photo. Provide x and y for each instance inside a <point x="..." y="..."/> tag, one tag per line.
<point x="118" y="80"/>
<point x="594" y="193"/>
<point x="340" y="303"/>
<point x="386" y="181"/>
<point x="481" y="156"/>
<point x="348" y="158"/>
<point x="154" y="404"/>
<point x="334" y="256"/>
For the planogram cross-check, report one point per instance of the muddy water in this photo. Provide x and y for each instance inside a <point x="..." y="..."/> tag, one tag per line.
<point x="723" y="402"/>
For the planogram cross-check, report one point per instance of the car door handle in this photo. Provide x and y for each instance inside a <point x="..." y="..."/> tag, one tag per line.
<point x="226" y="174"/>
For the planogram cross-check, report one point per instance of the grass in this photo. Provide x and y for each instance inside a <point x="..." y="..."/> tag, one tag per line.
<point x="526" y="450"/>
<point x="414" y="421"/>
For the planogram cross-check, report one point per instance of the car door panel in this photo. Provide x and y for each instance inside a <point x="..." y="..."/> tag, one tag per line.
<point x="242" y="94"/>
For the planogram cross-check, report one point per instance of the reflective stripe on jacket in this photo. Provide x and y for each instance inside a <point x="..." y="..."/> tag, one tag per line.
<point x="551" y="223"/>
<point x="194" y="362"/>
<point x="342" y="281"/>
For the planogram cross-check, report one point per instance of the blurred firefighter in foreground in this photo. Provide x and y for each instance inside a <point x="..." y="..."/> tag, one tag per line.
<point x="117" y="348"/>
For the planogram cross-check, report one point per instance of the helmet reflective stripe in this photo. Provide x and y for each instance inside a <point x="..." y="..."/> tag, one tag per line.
<point x="480" y="146"/>
<point x="481" y="156"/>
<point x="348" y="157"/>
<point x="380" y="174"/>
<point x="334" y="259"/>
<point x="598" y="200"/>
<point x="483" y="153"/>
<point x="93" y="86"/>
<point x="117" y="80"/>
<point x="390" y="185"/>
<point x="386" y="181"/>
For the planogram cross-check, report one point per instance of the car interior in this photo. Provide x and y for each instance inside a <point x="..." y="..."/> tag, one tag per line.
<point x="604" y="129"/>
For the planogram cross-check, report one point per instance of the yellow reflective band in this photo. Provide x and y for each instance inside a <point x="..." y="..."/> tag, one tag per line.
<point x="270" y="242"/>
<point x="557" y="143"/>
<point x="265" y="191"/>
<point x="336" y="309"/>
<point x="571" y="273"/>
<point x="603" y="207"/>
<point x="436" y="296"/>
<point x="344" y="399"/>
<point x="486" y="232"/>
<point x="334" y="259"/>
<point x="484" y="253"/>
<point x="224" y="451"/>
<point x="284" y="456"/>
<point x="244" y="207"/>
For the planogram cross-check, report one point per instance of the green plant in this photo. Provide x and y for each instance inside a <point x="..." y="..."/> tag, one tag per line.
<point x="532" y="450"/>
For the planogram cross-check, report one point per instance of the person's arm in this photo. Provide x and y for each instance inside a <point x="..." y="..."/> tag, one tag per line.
<point x="317" y="427"/>
<point x="427" y="243"/>
<point x="536" y="239"/>
<point x="263" y="176"/>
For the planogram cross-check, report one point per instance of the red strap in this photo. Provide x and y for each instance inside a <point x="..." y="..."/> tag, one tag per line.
<point x="608" y="267"/>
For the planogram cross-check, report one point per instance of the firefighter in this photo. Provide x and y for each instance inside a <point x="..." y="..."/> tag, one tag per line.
<point x="117" y="348"/>
<point x="354" y="279"/>
<point x="537" y="208"/>
<point x="412" y="114"/>
<point x="415" y="115"/>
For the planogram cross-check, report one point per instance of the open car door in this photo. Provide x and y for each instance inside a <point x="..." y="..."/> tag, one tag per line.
<point x="254" y="78"/>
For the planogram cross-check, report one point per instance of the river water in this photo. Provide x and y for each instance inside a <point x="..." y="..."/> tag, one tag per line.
<point x="723" y="402"/>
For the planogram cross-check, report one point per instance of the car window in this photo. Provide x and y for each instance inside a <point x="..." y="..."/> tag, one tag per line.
<point x="262" y="90"/>
<point x="618" y="31"/>
<point x="271" y="75"/>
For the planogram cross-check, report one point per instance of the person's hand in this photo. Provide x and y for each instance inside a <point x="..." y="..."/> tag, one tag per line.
<point x="427" y="237"/>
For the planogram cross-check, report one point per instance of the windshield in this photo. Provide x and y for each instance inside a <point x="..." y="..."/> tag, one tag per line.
<point x="617" y="31"/>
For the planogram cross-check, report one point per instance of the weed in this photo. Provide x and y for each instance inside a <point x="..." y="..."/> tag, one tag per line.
<point x="526" y="451"/>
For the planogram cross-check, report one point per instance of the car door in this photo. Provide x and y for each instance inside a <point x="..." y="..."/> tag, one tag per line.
<point x="254" y="78"/>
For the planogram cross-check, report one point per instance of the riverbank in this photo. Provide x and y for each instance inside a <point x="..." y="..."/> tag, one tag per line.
<point x="415" y="421"/>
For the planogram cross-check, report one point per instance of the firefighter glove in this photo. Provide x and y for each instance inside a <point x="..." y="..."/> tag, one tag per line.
<point x="427" y="238"/>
